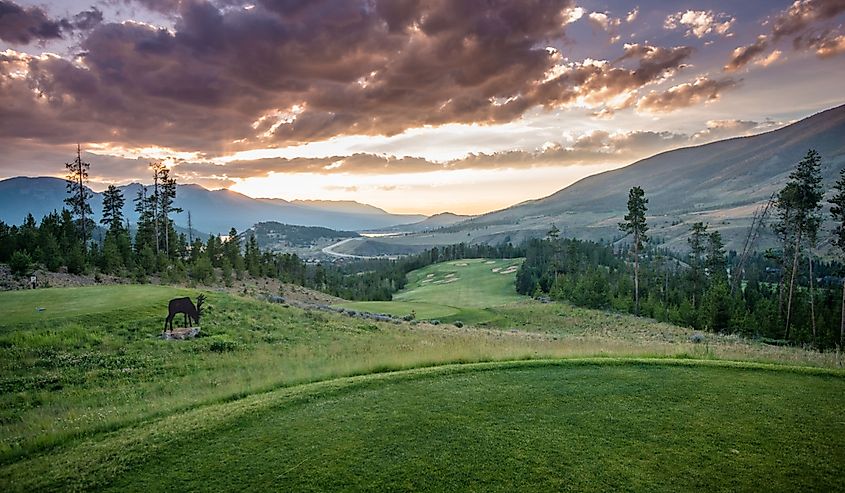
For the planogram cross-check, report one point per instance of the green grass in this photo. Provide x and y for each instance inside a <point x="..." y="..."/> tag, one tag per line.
<point x="577" y="425"/>
<point x="455" y="290"/>
<point x="87" y="389"/>
<point x="20" y="307"/>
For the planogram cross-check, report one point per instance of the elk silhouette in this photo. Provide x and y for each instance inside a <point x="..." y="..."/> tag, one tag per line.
<point x="186" y="307"/>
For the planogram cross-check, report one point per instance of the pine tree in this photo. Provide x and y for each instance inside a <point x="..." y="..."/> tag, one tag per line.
<point x="798" y="205"/>
<point x="715" y="260"/>
<point x="697" y="248"/>
<point x="167" y="196"/>
<point x="635" y="224"/>
<point x="837" y="211"/>
<point x="155" y="202"/>
<point x="145" y="233"/>
<point x="113" y="202"/>
<point x="79" y="195"/>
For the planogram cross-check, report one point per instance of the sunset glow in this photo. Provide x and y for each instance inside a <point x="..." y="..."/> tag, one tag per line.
<point x="392" y="110"/>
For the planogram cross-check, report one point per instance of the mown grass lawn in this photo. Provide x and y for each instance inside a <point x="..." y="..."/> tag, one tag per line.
<point x="95" y="374"/>
<point x="532" y="426"/>
<point x="462" y="290"/>
<point x="51" y="304"/>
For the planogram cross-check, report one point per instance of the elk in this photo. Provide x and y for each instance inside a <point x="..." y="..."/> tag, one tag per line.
<point x="186" y="307"/>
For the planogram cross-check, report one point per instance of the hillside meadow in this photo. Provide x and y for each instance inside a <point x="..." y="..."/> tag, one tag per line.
<point x="282" y="396"/>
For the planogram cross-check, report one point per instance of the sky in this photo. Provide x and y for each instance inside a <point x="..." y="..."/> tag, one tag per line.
<point x="415" y="106"/>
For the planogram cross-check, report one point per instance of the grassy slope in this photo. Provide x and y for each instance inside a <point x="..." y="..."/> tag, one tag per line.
<point x="456" y="290"/>
<point x="19" y="307"/>
<point x="89" y="369"/>
<point x="548" y="425"/>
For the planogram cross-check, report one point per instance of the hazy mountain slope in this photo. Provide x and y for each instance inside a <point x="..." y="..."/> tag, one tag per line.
<point x="436" y="221"/>
<point x="720" y="183"/>
<point x="275" y="236"/>
<point x="213" y="211"/>
<point x="347" y="206"/>
<point x="716" y="175"/>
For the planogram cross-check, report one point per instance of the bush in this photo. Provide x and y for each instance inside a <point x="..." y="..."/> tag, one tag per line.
<point x="20" y="263"/>
<point x="203" y="272"/>
<point x="459" y="324"/>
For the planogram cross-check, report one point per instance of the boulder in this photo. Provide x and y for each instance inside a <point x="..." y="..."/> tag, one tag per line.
<point x="180" y="334"/>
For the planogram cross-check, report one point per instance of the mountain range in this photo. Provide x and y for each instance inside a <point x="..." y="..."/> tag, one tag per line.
<point x="721" y="183"/>
<point x="212" y="211"/>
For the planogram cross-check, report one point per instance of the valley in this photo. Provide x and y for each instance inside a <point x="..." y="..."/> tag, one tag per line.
<point x="422" y="246"/>
<point x="92" y="387"/>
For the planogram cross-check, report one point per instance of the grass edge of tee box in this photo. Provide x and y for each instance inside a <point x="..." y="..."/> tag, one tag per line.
<point x="93" y="460"/>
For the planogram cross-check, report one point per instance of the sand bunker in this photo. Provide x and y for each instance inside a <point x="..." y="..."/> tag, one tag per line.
<point x="496" y="269"/>
<point x="460" y="264"/>
<point x="450" y="275"/>
<point x="510" y="270"/>
<point x="430" y="275"/>
<point x="490" y="262"/>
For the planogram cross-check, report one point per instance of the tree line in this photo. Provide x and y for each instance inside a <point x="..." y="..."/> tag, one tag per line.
<point x="786" y="294"/>
<point x="63" y="240"/>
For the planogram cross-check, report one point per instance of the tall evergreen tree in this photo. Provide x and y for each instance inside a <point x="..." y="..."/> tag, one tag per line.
<point x="166" y="198"/>
<point x="696" y="241"/>
<point x="155" y="201"/>
<point x="78" y="194"/>
<point x="635" y="224"/>
<point x="113" y="202"/>
<point x="837" y="211"/>
<point x="798" y="205"/>
<point x="715" y="260"/>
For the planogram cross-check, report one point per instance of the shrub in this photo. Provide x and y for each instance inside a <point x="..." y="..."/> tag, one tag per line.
<point x="459" y="324"/>
<point x="20" y="263"/>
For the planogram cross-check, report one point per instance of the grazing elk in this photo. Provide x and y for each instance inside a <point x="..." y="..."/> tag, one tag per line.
<point x="186" y="307"/>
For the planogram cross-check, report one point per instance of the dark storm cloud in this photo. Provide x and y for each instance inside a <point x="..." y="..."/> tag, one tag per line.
<point x="88" y="19"/>
<point x="286" y="72"/>
<point x="21" y="25"/>
<point x="24" y="25"/>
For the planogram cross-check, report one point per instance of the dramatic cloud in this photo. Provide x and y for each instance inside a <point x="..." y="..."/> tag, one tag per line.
<point x="88" y="19"/>
<point x="600" y="84"/>
<point x="825" y="44"/>
<point x="722" y="129"/>
<point x="799" y="20"/>
<point x="604" y="21"/>
<point x="804" y="13"/>
<point x="21" y="25"/>
<point x="742" y="55"/>
<point x="703" y="89"/>
<point x="699" y="23"/>
<point x="294" y="72"/>
<point x="596" y="147"/>
<point x="772" y="58"/>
